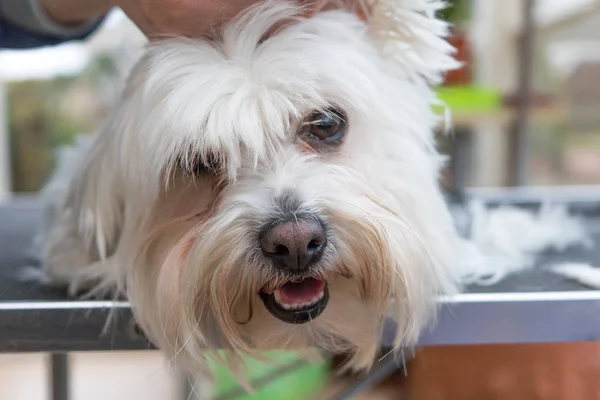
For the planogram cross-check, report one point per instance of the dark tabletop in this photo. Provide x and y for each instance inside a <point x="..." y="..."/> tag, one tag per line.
<point x="19" y="219"/>
<point x="33" y="316"/>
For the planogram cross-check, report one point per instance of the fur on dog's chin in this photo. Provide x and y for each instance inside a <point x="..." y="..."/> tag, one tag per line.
<point x="300" y="314"/>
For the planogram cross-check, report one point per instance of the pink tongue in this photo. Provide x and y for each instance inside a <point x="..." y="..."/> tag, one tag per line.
<point x="301" y="292"/>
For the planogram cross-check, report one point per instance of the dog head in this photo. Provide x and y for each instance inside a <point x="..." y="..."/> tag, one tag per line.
<point x="276" y="187"/>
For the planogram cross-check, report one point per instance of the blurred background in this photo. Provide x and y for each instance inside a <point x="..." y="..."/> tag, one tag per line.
<point x="525" y="109"/>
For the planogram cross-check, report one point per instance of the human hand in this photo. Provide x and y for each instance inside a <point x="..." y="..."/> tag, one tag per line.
<point x="182" y="17"/>
<point x="161" y="17"/>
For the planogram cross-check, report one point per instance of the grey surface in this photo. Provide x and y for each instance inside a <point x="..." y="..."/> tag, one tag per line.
<point x="36" y="318"/>
<point x="505" y="318"/>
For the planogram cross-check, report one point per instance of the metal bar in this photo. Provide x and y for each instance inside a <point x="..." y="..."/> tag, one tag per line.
<point x="59" y="376"/>
<point x="484" y="318"/>
<point x="459" y="160"/>
<point x="572" y="194"/>
<point x="524" y="94"/>
<point x="42" y="327"/>
<point x="5" y="153"/>
<point x="508" y="318"/>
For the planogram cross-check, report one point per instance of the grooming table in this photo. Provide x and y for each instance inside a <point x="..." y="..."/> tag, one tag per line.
<point x="532" y="306"/>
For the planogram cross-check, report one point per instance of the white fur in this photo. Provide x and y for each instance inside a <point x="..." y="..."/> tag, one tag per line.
<point x="583" y="273"/>
<point x="506" y="240"/>
<point x="52" y="195"/>
<point x="183" y="250"/>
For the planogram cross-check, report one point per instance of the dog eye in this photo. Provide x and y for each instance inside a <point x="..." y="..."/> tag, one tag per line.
<point x="196" y="165"/>
<point x="327" y="126"/>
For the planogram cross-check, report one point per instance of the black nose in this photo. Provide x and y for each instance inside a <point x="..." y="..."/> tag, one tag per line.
<point x="294" y="245"/>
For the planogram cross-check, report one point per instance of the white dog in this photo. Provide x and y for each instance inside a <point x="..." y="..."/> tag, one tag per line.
<point x="275" y="187"/>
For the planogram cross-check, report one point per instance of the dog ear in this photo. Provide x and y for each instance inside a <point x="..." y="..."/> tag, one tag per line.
<point x="407" y="32"/>
<point x="411" y="34"/>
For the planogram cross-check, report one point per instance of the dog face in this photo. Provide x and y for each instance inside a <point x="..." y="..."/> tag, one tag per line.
<point x="273" y="188"/>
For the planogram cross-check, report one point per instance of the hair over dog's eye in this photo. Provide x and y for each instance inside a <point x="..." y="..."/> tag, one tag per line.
<point x="196" y="165"/>
<point x="328" y="126"/>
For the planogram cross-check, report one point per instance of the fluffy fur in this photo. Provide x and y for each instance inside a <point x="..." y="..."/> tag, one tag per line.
<point x="580" y="272"/>
<point x="183" y="248"/>
<point x="507" y="240"/>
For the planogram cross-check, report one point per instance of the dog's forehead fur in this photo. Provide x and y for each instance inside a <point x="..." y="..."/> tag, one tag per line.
<point x="238" y="97"/>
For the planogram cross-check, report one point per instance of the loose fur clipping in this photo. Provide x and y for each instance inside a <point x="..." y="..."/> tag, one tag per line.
<point x="584" y="273"/>
<point x="507" y="240"/>
<point x="207" y="147"/>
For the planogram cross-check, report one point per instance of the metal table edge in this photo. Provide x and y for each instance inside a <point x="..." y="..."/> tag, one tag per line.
<point x="464" y="319"/>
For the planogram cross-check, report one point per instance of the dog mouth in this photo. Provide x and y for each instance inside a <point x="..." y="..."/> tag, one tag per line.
<point x="297" y="302"/>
